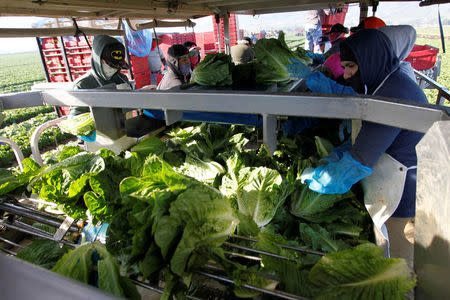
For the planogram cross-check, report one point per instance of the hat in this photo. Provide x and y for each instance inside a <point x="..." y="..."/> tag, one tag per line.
<point x="337" y="28"/>
<point x="114" y="56"/>
<point x="347" y="53"/>
<point x="322" y="40"/>
<point x="369" y="22"/>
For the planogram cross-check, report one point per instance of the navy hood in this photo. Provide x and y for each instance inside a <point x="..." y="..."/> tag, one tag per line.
<point x="374" y="55"/>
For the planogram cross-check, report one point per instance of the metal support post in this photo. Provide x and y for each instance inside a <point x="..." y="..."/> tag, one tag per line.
<point x="66" y="61"/>
<point x="226" y="29"/>
<point x="270" y="132"/>
<point x="127" y="57"/>
<point x="363" y="10"/>
<point x="218" y="31"/>
<point x="41" y="53"/>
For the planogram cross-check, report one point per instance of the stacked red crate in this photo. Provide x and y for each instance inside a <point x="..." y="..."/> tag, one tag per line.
<point x="233" y="29"/>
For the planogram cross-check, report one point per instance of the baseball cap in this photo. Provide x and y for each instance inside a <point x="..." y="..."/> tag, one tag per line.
<point x="114" y="56"/>
<point x="323" y="39"/>
<point x="369" y="22"/>
<point x="337" y="28"/>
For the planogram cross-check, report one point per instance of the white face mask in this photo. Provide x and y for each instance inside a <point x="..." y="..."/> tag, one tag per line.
<point x="108" y="71"/>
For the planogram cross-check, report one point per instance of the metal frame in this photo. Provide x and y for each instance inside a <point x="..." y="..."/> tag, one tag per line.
<point x="443" y="92"/>
<point x="16" y="149"/>
<point x="401" y="114"/>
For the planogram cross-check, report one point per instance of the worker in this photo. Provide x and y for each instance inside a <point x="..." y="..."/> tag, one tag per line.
<point x="179" y="68"/>
<point x="385" y="153"/>
<point x="156" y="60"/>
<point x="313" y="28"/>
<point x="324" y="44"/>
<point x="107" y="59"/>
<point x="243" y="52"/>
<point x="336" y="34"/>
<point x="194" y="53"/>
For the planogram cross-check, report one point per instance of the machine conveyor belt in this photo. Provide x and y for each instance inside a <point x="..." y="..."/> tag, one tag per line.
<point x="21" y="211"/>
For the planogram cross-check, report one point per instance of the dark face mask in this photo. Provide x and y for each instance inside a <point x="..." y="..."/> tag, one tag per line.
<point x="356" y="83"/>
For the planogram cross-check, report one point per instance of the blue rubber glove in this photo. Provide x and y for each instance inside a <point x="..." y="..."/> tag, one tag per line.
<point x="337" y="153"/>
<point x="297" y="125"/>
<point x="88" y="138"/>
<point x="317" y="82"/>
<point x="298" y="69"/>
<point x="317" y="58"/>
<point x="345" y="127"/>
<point x="336" y="177"/>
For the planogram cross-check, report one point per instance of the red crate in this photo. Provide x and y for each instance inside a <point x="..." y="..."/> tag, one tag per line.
<point x="70" y="44"/>
<point x="141" y="79"/>
<point x="422" y="57"/>
<point x="139" y="64"/>
<point x="58" y="78"/>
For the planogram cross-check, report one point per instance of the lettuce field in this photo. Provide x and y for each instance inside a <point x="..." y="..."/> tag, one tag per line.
<point x="18" y="72"/>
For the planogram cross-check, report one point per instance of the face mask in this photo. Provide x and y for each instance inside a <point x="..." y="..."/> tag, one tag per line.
<point x="108" y="71"/>
<point x="184" y="65"/>
<point x="356" y="83"/>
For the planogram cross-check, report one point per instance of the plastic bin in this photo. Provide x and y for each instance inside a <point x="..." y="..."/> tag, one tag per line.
<point x="422" y="57"/>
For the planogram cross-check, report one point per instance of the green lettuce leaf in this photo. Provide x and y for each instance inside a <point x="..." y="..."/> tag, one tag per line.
<point x="361" y="273"/>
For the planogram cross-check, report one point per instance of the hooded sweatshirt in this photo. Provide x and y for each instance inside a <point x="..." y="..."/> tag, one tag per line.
<point x="380" y="72"/>
<point x="402" y="38"/>
<point x="173" y="77"/>
<point x="95" y="77"/>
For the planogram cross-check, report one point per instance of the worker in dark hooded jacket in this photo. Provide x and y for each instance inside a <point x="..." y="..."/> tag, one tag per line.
<point x="179" y="68"/>
<point x="383" y="156"/>
<point x="107" y="59"/>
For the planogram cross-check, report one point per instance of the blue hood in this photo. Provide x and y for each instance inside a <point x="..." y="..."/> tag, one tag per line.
<point x="375" y="56"/>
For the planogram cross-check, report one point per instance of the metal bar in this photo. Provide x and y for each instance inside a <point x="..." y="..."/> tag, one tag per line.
<point x="34" y="216"/>
<point x="66" y="61"/>
<point x="41" y="54"/>
<point x="157" y="290"/>
<point x="218" y="31"/>
<point x="226" y="33"/>
<point x="16" y="149"/>
<point x="243" y="256"/>
<point x="62" y="230"/>
<point x="9" y="252"/>
<point x="442" y="90"/>
<point x="43" y="236"/>
<point x="257" y="251"/>
<point x="270" y="132"/>
<point x="281" y="245"/>
<point x="11" y="243"/>
<point x="279" y="294"/>
<point x="397" y="113"/>
<point x="79" y="53"/>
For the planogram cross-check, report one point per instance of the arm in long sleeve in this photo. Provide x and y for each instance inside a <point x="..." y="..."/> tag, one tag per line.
<point x="317" y="82"/>
<point x="373" y="140"/>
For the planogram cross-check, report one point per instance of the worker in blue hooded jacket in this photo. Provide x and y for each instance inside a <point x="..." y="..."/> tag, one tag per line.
<point x="382" y="156"/>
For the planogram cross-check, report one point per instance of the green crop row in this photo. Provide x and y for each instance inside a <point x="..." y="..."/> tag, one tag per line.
<point x="22" y="114"/>
<point x="21" y="134"/>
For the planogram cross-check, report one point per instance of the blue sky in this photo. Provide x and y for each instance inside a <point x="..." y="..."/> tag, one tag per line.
<point x="392" y="13"/>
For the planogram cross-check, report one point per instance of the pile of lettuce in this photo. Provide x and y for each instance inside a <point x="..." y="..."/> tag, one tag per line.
<point x="269" y="67"/>
<point x="173" y="202"/>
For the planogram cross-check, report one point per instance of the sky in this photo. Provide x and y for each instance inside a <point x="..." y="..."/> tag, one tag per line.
<point x="393" y="13"/>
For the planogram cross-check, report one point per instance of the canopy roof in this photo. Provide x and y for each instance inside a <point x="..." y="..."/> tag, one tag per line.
<point x="155" y="9"/>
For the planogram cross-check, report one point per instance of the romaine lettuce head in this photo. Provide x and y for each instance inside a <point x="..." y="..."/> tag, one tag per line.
<point x="260" y="192"/>
<point x="215" y="70"/>
<point x="79" y="125"/>
<point x="361" y="273"/>
<point x="274" y="55"/>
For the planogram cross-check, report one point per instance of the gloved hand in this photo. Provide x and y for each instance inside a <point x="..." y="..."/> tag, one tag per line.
<point x="345" y="126"/>
<point x="317" y="58"/>
<point x="337" y="153"/>
<point x="336" y="177"/>
<point x="317" y="82"/>
<point x="88" y="138"/>
<point x="298" y="69"/>
<point x="297" y="125"/>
